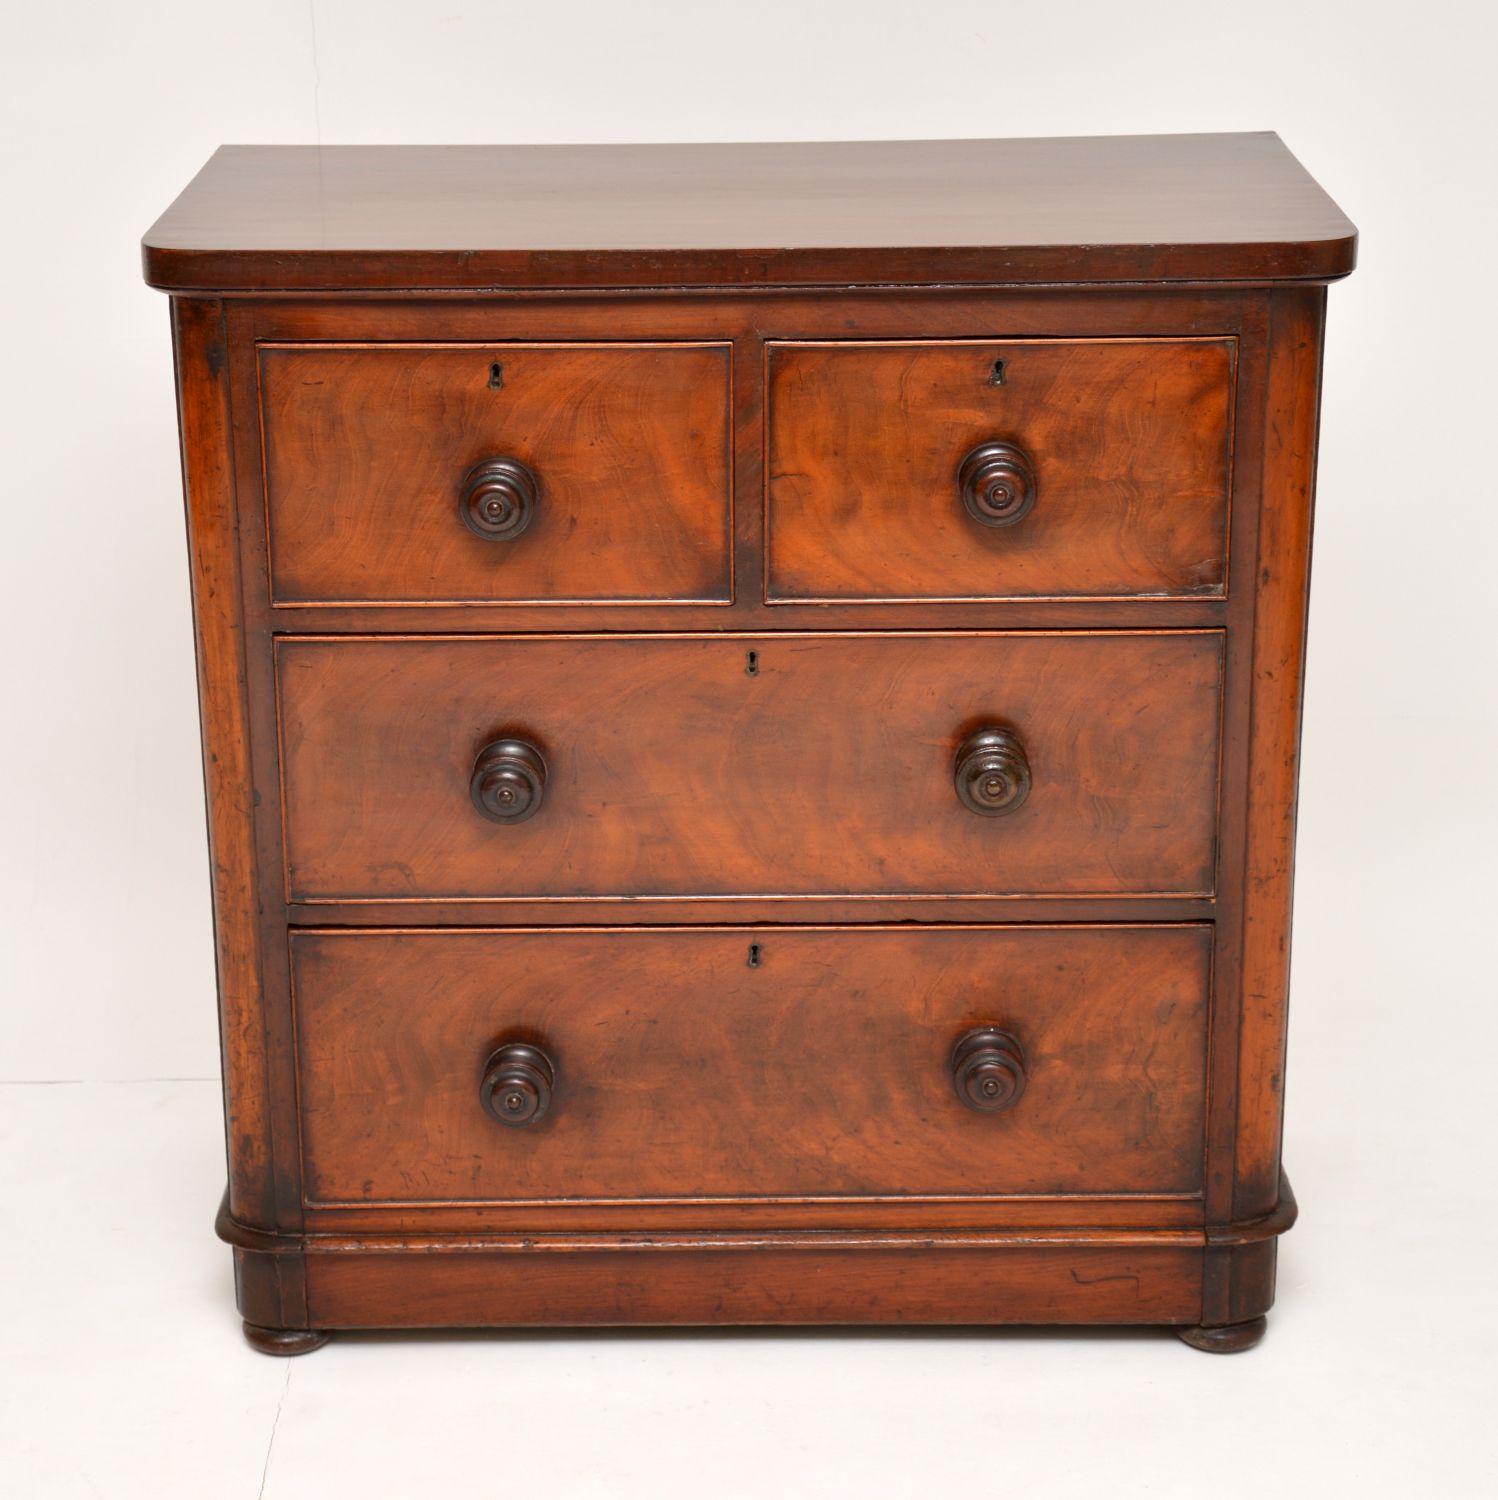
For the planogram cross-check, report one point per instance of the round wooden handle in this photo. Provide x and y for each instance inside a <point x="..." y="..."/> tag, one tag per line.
<point x="516" y="1086"/>
<point x="498" y="499"/>
<point x="997" y="481"/>
<point x="509" y="778"/>
<point x="992" y="772"/>
<point x="988" y="1069"/>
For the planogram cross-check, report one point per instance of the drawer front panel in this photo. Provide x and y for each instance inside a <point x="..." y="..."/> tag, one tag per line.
<point x="768" y="764"/>
<point x="371" y="453"/>
<point x="1113" y="472"/>
<point x="679" y="1070"/>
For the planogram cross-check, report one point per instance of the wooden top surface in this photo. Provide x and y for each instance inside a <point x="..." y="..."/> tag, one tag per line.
<point x="1063" y="209"/>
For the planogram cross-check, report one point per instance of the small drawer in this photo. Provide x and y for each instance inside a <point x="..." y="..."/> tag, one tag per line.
<point x="504" y="473"/>
<point x="983" y="763"/>
<point x="521" y="1066"/>
<point x="976" y="470"/>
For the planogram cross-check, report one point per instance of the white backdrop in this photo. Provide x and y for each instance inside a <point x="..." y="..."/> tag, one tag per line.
<point x="107" y="956"/>
<point x="107" y="973"/>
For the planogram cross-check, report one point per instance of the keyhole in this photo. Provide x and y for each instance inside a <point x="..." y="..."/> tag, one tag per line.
<point x="496" y="376"/>
<point x="753" y="955"/>
<point x="751" y="664"/>
<point x="996" y="376"/>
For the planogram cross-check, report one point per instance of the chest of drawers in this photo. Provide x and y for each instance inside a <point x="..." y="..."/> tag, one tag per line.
<point x="750" y="708"/>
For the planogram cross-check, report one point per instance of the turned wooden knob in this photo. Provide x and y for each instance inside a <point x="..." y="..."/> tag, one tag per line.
<point x="516" y="1086"/>
<point x="997" y="482"/>
<point x="992" y="772"/>
<point x="498" y="499"/>
<point x="988" y="1069"/>
<point x="508" y="780"/>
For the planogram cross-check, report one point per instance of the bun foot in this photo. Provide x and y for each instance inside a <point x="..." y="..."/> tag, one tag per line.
<point x="1232" y="1338"/>
<point x="284" y="1341"/>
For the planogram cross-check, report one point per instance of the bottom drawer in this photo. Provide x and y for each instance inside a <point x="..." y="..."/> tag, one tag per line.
<point x="517" y="1066"/>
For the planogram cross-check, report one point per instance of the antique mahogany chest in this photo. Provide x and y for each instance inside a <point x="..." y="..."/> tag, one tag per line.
<point x="750" y="709"/>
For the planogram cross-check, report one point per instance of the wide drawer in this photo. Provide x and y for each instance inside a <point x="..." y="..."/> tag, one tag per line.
<point x="998" y="469"/>
<point x="411" y="473"/>
<point x="687" y="1064"/>
<point x="750" y="764"/>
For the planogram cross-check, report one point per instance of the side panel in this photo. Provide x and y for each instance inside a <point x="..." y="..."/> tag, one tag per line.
<point x="1279" y="630"/>
<point x="213" y="545"/>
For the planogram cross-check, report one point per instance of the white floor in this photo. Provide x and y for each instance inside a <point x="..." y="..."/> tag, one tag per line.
<point x="125" y="1374"/>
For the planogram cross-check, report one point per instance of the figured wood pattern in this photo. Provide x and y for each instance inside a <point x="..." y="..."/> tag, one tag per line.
<point x="671" y="770"/>
<point x="1127" y="445"/>
<point x="682" y="1070"/>
<point x="876" y="378"/>
<point x="369" y="452"/>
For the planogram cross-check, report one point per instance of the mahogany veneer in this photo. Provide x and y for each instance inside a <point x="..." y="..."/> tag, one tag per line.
<point x="1127" y="446"/>
<point x="676" y="1068"/>
<point x="626" y="446"/>
<point x="671" y="769"/>
<point x="751" y="700"/>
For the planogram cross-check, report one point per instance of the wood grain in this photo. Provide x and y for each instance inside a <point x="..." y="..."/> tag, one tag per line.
<point x="820" y="1065"/>
<point x="568" y="397"/>
<point x="672" y="770"/>
<point x="867" y="1285"/>
<point x="749" y="317"/>
<point x="1115" y="208"/>
<point x="1130" y="442"/>
<point x="1279" y="644"/>
<point x="229" y="780"/>
<point x="367" y="449"/>
<point x="913" y="1214"/>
